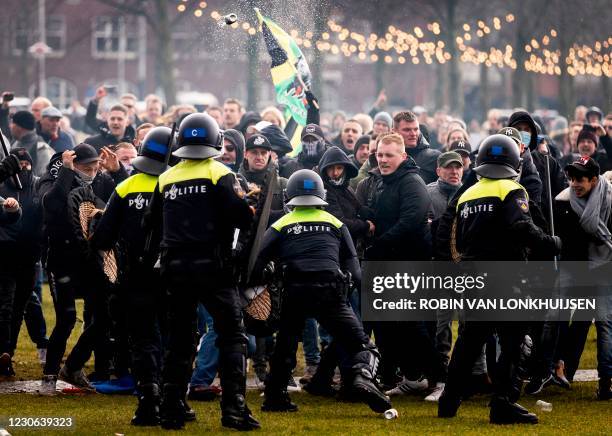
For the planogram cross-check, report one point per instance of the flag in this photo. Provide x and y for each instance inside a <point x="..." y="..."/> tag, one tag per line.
<point x="290" y="75"/>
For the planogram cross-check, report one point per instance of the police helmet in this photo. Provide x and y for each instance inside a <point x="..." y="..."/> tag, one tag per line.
<point x="199" y="137"/>
<point x="152" y="156"/>
<point x="498" y="158"/>
<point x="305" y="188"/>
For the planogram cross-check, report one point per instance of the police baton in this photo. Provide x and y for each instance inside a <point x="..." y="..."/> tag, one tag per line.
<point x="550" y="201"/>
<point x="16" y="180"/>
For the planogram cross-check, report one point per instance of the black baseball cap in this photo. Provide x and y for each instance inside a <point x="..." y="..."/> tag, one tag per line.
<point x="312" y="130"/>
<point x="583" y="167"/>
<point x="258" y="141"/>
<point x="85" y="154"/>
<point x="462" y="147"/>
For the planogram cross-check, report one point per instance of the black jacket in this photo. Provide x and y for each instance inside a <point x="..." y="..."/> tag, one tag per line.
<point x="105" y="138"/>
<point x="530" y="178"/>
<point x="342" y="201"/>
<point x="426" y="159"/>
<point x="26" y="233"/>
<point x="400" y="216"/>
<point x="567" y="226"/>
<point x="54" y="188"/>
<point x="557" y="179"/>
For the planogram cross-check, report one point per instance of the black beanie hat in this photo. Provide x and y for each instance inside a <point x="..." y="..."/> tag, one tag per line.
<point x="25" y="120"/>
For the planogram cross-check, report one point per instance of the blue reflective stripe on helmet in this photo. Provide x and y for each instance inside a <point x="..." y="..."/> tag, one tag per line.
<point x="497" y="150"/>
<point x="157" y="147"/>
<point x="199" y="132"/>
<point x="309" y="184"/>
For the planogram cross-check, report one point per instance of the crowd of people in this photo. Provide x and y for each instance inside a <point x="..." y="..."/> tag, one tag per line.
<point x="179" y="212"/>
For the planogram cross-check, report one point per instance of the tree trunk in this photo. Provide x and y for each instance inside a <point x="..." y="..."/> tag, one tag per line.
<point x="606" y="94"/>
<point x="485" y="94"/>
<point x="317" y="64"/>
<point x="165" y="61"/>
<point x="530" y="92"/>
<point x="252" y="70"/>
<point x="439" y="97"/>
<point x="379" y="67"/>
<point x="455" y="89"/>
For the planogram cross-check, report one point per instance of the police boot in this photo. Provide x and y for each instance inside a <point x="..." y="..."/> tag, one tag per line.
<point x="505" y="412"/>
<point x="278" y="402"/>
<point x="363" y="385"/>
<point x="172" y="408"/>
<point x="234" y="411"/>
<point x="147" y="413"/>
<point x="236" y="414"/>
<point x="448" y="404"/>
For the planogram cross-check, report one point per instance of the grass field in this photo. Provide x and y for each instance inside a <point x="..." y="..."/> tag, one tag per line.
<point x="574" y="412"/>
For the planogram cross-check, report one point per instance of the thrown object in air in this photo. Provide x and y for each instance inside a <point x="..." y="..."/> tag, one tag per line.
<point x="227" y="20"/>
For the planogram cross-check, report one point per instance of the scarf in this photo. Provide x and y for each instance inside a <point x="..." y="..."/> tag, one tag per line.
<point x="594" y="212"/>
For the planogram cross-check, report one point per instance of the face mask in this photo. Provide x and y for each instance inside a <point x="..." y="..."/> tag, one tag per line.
<point x="85" y="177"/>
<point x="128" y="168"/>
<point x="337" y="182"/>
<point x="526" y="137"/>
<point x="311" y="148"/>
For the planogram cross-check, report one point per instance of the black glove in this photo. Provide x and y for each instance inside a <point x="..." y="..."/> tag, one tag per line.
<point x="9" y="167"/>
<point x="268" y="273"/>
<point x="310" y="98"/>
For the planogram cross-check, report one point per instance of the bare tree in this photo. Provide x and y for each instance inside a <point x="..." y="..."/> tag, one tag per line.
<point x="162" y="18"/>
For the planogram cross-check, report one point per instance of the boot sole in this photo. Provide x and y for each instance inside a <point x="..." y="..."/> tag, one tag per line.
<point x="373" y="399"/>
<point x="240" y="426"/>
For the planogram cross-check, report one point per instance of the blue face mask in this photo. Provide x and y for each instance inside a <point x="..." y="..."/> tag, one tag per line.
<point x="526" y="136"/>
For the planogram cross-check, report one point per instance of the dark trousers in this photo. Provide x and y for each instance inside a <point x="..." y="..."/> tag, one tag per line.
<point x="330" y="308"/>
<point x="409" y="345"/>
<point x="544" y="336"/>
<point x="193" y="280"/>
<point x="7" y="295"/>
<point x="27" y="306"/>
<point x="143" y="298"/>
<point x="469" y="347"/>
<point x="65" y="290"/>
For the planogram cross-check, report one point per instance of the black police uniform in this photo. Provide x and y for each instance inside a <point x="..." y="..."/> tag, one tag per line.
<point x="312" y="246"/>
<point x="139" y="283"/>
<point x="493" y="224"/>
<point x="202" y="204"/>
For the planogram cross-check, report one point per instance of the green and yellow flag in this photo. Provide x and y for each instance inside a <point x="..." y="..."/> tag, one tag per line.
<point x="290" y="75"/>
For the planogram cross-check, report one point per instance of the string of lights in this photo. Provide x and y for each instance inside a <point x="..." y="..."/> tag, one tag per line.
<point x="400" y="46"/>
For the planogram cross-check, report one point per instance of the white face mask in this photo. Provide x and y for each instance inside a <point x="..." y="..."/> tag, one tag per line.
<point x="85" y="177"/>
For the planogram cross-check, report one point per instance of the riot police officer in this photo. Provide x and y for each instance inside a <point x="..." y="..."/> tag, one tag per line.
<point x="312" y="248"/>
<point x="139" y="281"/>
<point x="201" y="205"/>
<point x="493" y="223"/>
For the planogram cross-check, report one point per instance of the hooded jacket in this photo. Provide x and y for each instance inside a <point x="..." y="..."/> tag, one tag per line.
<point x="237" y="140"/>
<point x="38" y="149"/>
<point x="248" y="119"/>
<point x="530" y="178"/>
<point x="426" y="159"/>
<point x="400" y="216"/>
<point x="342" y="201"/>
